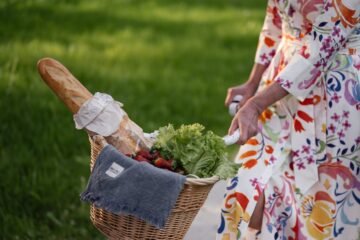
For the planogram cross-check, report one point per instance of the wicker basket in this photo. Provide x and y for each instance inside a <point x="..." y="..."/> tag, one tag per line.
<point x="125" y="227"/>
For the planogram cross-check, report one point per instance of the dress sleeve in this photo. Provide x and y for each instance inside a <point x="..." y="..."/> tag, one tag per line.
<point x="270" y="35"/>
<point x="328" y="35"/>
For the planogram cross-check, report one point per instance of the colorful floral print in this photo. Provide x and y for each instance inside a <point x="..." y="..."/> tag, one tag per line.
<point x="306" y="157"/>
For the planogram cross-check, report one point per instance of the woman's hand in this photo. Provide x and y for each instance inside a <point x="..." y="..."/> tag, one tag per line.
<point x="246" y="90"/>
<point x="246" y="120"/>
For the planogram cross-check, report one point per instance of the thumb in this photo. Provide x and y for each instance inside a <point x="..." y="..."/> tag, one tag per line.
<point x="233" y="126"/>
<point x="229" y="97"/>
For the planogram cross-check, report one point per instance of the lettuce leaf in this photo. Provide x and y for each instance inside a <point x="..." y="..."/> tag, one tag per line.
<point x="198" y="152"/>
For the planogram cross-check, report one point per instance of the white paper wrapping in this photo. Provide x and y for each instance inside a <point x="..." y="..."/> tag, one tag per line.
<point x="100" y="114"/>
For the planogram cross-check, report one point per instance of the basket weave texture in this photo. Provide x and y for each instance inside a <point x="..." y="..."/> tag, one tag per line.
<point x="126" y="227"/>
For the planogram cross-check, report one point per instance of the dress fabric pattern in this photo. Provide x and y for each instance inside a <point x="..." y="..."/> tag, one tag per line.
<point x="306" y="156"/>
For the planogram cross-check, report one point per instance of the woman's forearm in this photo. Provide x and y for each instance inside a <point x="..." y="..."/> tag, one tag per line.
<point x="268" y="96"/>
<point x="256" y="74"/>
<point x="249" y="88"/>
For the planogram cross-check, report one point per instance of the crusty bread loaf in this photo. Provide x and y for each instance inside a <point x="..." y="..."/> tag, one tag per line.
<point x="63" y="84"/>
<point x="129" y="135"/>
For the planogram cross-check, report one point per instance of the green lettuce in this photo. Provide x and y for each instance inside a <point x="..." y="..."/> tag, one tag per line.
<point x="198" y="152"/>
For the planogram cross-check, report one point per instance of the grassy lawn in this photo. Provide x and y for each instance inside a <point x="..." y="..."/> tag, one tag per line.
<point x="167" y="61"/>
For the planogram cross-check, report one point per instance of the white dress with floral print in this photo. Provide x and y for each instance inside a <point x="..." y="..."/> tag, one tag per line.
<point x="306" y="158"/>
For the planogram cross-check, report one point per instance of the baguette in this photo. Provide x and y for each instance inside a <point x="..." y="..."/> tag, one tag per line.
<point x="128" y="138"/>
<point x="63" y="84"/>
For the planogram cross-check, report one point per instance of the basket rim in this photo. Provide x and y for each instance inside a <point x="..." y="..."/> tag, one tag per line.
<point x="190" y="180"/>
<point x="202" y="181"/>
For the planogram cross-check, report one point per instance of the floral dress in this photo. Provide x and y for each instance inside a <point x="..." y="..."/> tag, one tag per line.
<point x="306" y="157"/>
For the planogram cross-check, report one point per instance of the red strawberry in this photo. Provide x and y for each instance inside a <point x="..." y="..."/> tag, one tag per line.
<point x="162" y="163"/>
<point x="140" y="158"/>
<point x="155" y="154"/>
<point x="145" y="154"/>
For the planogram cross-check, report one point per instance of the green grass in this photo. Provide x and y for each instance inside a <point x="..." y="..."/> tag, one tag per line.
<point x="167" y="61"/>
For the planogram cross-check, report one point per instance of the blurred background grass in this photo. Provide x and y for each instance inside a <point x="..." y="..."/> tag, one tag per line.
<point x="167" y="61"/>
